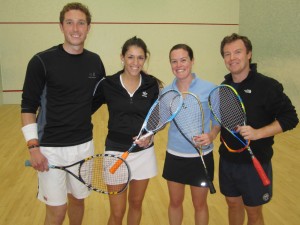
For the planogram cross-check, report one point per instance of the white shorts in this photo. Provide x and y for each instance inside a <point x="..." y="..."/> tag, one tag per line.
<point x="55" y="184"/>
<point x="142" y="164"/>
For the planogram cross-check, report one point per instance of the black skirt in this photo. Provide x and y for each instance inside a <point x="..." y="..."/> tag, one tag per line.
<point x="188" y="170"/>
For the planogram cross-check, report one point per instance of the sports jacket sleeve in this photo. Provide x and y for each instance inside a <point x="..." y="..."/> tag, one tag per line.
<point x="98" y="98"/>
<point x="280" y="106"/>
<point x="33" y="86"/>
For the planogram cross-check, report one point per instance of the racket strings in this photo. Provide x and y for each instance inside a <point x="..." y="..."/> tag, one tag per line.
<point x="227" y="107"/>
<point x="189" y="118"/>
<point x="96" y="173"/>
<point x="167" y="105"/>
<point x="229" y="110"/>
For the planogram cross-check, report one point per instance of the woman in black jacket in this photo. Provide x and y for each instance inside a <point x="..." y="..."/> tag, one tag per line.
<point x="129" y="95"/>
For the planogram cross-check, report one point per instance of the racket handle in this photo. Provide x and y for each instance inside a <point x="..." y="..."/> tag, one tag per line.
<point x="117" y="164"/>
<point x="27" y="163"/>
<point x="261" y="172"/>
<point x="211" y="187"/>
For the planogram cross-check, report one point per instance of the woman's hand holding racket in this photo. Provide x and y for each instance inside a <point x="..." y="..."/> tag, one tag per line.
<point x="144" y="142"/>
<point x="202" y="140"/>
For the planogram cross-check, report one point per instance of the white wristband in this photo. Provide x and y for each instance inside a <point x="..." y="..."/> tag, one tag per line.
<point x="30" y="131"/>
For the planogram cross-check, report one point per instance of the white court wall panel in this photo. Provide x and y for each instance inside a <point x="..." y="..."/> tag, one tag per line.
<point x="28" y="27"/>
<point x="274" y="29"/>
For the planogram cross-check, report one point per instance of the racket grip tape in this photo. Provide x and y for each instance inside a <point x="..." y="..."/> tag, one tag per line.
<point x="210" y="184"/>
<point x="211" y="187"/>
<point x="261" y="172"/>
<point x="117" y="164"/>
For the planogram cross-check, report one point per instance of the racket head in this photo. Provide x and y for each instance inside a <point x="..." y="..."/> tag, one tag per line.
<point x="227" y="107"/>
<point x="165" y="108"/>
<point x="229" y="110"/>
<point x="190" y="119"/>
<point x="95" y="174"/>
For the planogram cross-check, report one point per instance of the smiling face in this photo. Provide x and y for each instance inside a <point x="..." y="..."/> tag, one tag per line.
<point x="181" y="64"/>
<point x="134" y="60"/>
<point x="236" y="58"/>
<point x="75" y="29"/>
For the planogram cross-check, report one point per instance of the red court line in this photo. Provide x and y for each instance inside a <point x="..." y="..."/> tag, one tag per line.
<point x="12" y="91"/>
<point x="169" y="23"/>
<point x="25" y="23"/>
<point x="131" y="23"/>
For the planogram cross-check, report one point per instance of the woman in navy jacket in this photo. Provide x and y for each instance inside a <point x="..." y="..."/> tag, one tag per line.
<point x="129" y="95"/>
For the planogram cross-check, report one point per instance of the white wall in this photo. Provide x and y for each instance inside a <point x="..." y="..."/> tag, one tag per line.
<point x="273" y="27"/>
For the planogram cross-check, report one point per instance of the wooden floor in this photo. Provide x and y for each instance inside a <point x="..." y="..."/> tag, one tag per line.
<point x="18" y="185"/>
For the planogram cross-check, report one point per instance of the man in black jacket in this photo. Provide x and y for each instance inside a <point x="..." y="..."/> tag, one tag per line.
<point x="269" y="112"/>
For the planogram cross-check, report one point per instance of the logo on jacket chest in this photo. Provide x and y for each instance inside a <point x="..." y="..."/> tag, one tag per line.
<point x="144" y="94"/>
<point x="92" y="75"/>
